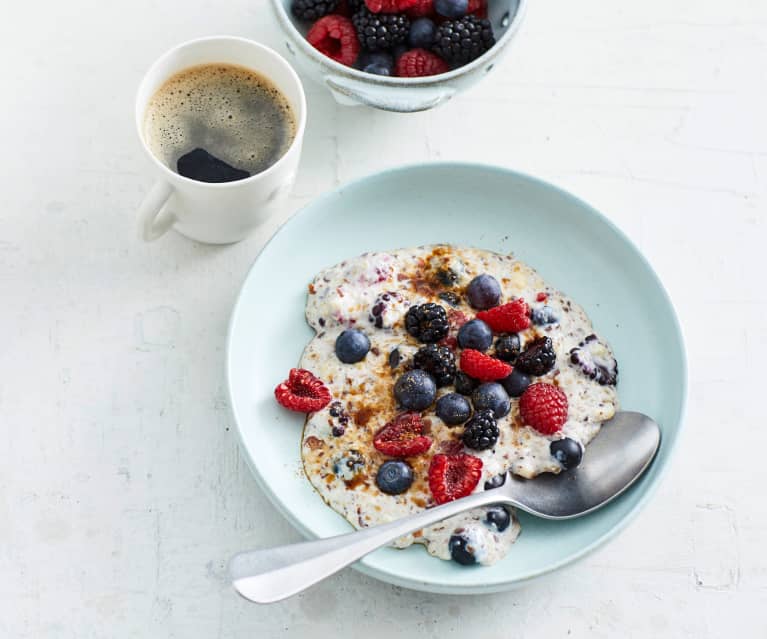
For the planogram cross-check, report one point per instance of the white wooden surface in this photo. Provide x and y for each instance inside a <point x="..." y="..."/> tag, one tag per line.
<point x="122" y="489"/>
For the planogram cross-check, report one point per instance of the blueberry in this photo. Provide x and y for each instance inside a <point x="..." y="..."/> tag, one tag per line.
<point x="421" y="36"/>
<point x="415" y="390"/>
<point x="451" y="8"/>
<point x="543" y="315"/>
<point x="377" y="69"/>
<point x="453" y="409"/>
<point x="567" y="452"/>
<point x="507" y="347"/>
<point x="465" y="384"/>
<point x="394" y="477"/>
<point x="352" y="346"/>
<point x="516" y="383"/>
<point x="397" y="50"/>
<point x="484" y="292"/>
<point x="461" y="550"/>
<point x="496" y="481"/>
<point x="380" y="59"/>
<point x="491" y="396"/>
<point x="498" y="517"/>
<point x="475" y="334"/>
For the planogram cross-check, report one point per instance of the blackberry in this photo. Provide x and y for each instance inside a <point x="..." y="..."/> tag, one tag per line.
<point x="427" y="322"/>
<point x="538" y="358"/>
<point x="461" y="41"/>
<point x="464" y="384"/>
<point x="311" y="10"/>
<point x="595" y="361"/>
<point x="377" y="31"/>
<point x="481" y="431"/>
<point x="507" y="347"/>
<point x="439" y="361"/>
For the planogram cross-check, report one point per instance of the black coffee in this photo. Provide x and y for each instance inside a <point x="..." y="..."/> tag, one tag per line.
<point x="218" y="123"/>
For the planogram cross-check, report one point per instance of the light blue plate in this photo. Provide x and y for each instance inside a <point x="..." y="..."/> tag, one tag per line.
<point x="574" y="248"/>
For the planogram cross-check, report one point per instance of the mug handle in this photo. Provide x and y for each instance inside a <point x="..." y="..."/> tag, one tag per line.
<point x="153" y="220"/>
<point x="388" y="98"/>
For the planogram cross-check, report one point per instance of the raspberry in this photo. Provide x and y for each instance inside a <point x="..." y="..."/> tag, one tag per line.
<point x="541" y="297"/>
<point x="420" y="62"/>
<point x="421" y="9"/>
<point x="302" y="392"/>
<point x="483" y="367"/>
<point x="511" y="317"/>
<point x="543" y="407"/>
<point x="336" y="37"/>
<point x="389" y="6"/>
<point x="453" y="476"/>
<point x="455" y="319"/>
<point x="449" y="341"/>
<point x="402" y="437"/>
<point x="478" y="8"/>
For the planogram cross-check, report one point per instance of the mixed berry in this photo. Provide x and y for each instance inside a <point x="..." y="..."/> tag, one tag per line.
<point x="438" y="361"/>
<point x="402" y="437"/>
<point x="481" y="431"/>
<point x="468" y="371"/>
<point x="493" y="397"/>
<point x="595" y="361"/>
<point x="404" y="38"/>
<point x="352" y="345"/>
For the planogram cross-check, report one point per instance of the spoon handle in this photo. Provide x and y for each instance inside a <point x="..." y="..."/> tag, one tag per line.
<point x="272" y="574"/>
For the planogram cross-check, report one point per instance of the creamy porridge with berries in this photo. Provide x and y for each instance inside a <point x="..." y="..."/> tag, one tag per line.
<point x="434" y="370"/>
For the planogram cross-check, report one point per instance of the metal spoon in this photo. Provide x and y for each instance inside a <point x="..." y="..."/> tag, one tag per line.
<point x="616" y="458"/>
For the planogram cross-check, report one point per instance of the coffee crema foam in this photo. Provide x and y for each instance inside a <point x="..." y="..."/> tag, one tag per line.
<point x="232" y="112"/>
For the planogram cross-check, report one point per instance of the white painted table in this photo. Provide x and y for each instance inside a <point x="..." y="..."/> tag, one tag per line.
<point x="122" y="489"/>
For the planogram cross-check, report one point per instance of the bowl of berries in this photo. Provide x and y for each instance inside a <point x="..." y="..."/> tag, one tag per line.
<point x="397" y="55"/>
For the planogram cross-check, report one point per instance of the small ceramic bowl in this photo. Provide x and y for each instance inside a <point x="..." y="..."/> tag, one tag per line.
<point x="404" y="95"/>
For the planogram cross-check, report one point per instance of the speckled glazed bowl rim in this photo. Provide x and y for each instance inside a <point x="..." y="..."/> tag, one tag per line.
<point x="428" y="81"/>
<point x="658" y="469"/>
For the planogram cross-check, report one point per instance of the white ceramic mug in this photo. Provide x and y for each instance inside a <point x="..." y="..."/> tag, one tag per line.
<point x="218" y="213"/>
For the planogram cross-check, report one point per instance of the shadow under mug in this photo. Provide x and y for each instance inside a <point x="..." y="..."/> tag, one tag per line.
<point x="225" y="212"/>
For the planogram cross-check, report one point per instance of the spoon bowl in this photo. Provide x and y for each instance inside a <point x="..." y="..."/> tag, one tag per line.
<point x="617" y="457"/>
